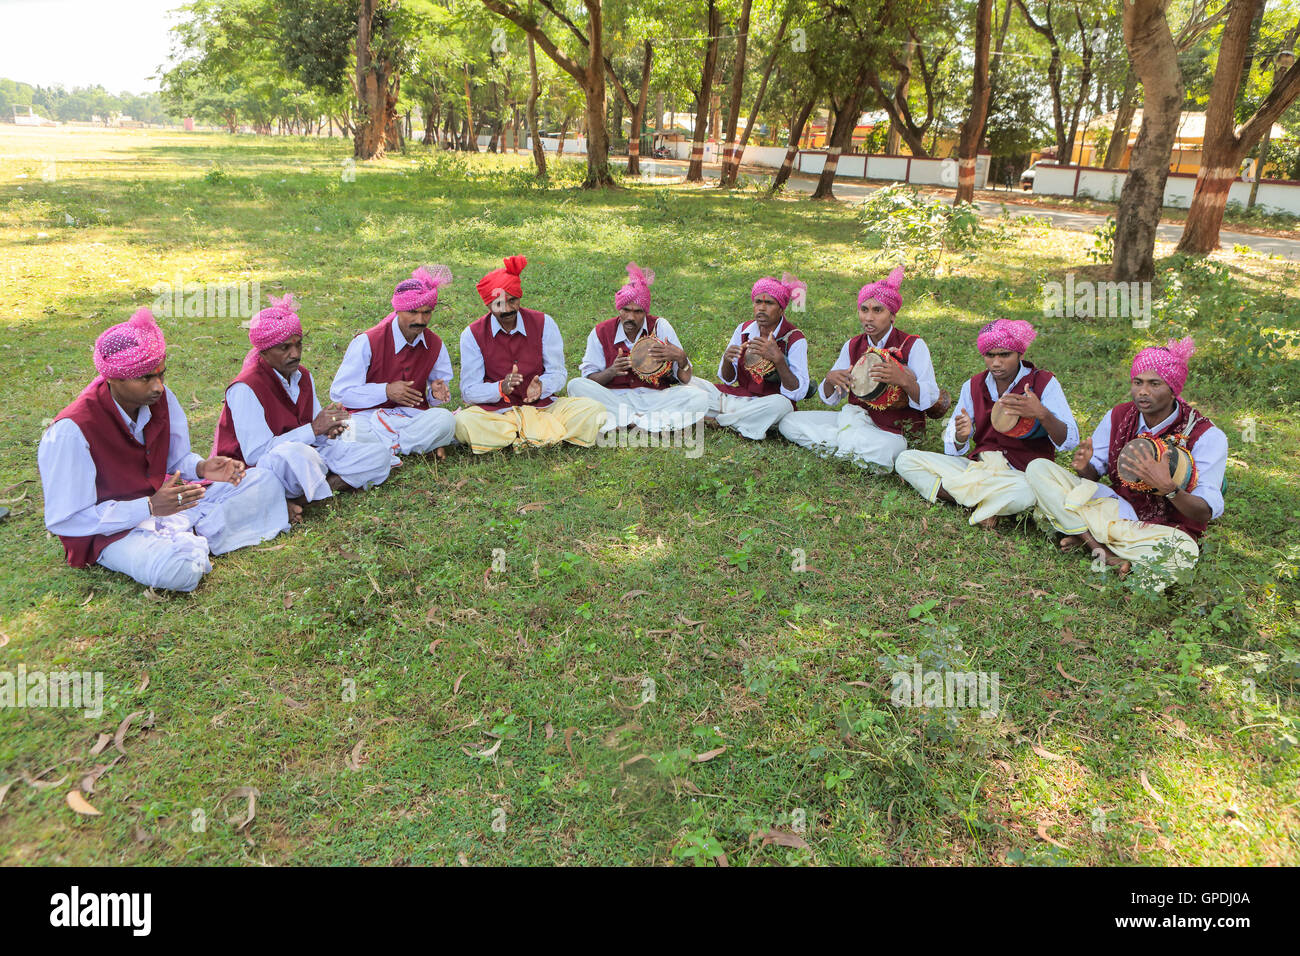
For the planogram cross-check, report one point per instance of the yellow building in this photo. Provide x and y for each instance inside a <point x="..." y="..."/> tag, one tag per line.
<point x="1188" y="142"/>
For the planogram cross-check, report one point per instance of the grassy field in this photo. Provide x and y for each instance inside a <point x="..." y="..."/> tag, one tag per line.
<point x="392" y="699"/>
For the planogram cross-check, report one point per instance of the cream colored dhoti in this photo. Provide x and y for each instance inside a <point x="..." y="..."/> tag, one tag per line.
<point x="575" y="420"/>
<point x="989" y="485"/>
<point x="1073" y="505"/>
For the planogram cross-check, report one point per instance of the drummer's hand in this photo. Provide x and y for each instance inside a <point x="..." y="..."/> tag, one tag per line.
<point x="1155" y="472"/>
<point x="663" y="352"/>
<point x="961" y="426"/>
<point x="1082" y="459"/>
<point x="1027" y="405"/>
<point x="838" y="379"/>
<point x="511" y="381"/>
<point x="766" y="346"/>
<point x="534" y="390"/>
<point x="439" y="390"/>
<point x="891" y="373"/>
<point x="732" y="354"/>
<point x="621" y="364"/>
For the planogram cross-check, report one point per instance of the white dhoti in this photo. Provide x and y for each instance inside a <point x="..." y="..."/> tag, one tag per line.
<point x="849" y="433"/>
<point x="675" y="408"/>
<point x="1072" y="505"/>
<point x="750" y="415"/>
<point x="989" y="485"/>
<point x="171" y="553"/>
<point x="406" y="431"/>
<point x="304" y="469"/>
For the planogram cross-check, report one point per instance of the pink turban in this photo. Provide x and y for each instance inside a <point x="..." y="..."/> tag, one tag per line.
<point x="637" y="289"/>
<point x="782" y="289"/>
<point x="884" y="291"/>
<point x="1167" y="361"/>
<point x="130" y="349"/>
<point x="1013" y="335"/>
<point x="273" y="326"/>
<point x="421" y="290"/>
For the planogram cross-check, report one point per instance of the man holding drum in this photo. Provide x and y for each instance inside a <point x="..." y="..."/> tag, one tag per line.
<point x="888" y="379"/>
<point x="1155" y="508"/>
<point x="636" y="367"/>
<point x="512" y="367"/>
<point x="764" y="369"/>
<point x="1013" y="413"/>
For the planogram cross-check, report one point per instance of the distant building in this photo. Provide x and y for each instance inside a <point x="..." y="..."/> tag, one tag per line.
<point x="1189" y="141"/>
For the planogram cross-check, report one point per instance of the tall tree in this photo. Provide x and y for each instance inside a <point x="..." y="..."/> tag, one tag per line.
<point x="704" y="96"/>
<point x="1225" y="144"/>
<point x="730" y="158"/>
<point x="973" y="127"/>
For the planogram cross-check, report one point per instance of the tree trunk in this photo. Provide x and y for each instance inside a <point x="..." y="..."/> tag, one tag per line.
<point x="372" y="90"/>
<point x="703" y="100"/>
<point x="796" y="133"/>
<point x="1154" y="57"/>
<point x="1123" y="122"/>
<point x="564" y="131"/>
<point x="758" y="99"/>
<point x="539" y="154"/>
<point x="895" y="133"/>
<point x="638" y="114"/>
<point x="973" y="128"/>
<point x="841" y="138"/>
<point x="730" y="156"/>
<point x="471" y="137"/>
<point x="1224" y="146"/>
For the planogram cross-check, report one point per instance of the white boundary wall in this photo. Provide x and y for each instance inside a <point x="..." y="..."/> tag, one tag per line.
<point x="1275" y="195"/>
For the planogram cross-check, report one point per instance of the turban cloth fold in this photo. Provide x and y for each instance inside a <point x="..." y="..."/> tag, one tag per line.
<point x="782" y="289"/>
<point x="636" y="291"/>
<point x="273" y="326"/>
<point x="1167" y="361"/>
<point x="1013" y="335"/>
<point x="884" y="291"/>
<point x="421" y="290"/>
<point x="130" y="349"/>
<point x="505" y="279"/>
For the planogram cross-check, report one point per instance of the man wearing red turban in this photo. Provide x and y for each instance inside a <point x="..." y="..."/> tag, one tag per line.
<point x="512" y="367"/>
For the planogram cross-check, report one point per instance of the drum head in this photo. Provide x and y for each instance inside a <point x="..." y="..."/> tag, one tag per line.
<point x="640" y="356"/>
<point x="1130" y="455"/>
<point x="1015" y="426"/>
<point x="860" y="381"/>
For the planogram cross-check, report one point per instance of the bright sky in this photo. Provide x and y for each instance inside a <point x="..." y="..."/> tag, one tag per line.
<point x="115" y="43"/>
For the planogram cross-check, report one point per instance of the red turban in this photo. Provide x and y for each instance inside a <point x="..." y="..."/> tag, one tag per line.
<point x="503" y="280"/>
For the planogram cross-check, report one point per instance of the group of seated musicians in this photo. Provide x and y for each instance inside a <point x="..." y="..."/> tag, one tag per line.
<point x="123" y="488"/>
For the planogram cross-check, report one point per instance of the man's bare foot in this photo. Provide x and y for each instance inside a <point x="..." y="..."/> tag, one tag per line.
<point x="711" y="422"/>
<point x="336" y="483"/>
<point x="295" y="512"/>
<point x="1111" y="558"/>
<point x="942" y="495"/>
<point x="990" y="523"/>
<point x="1070" y="542"/>
<point x="440" y="452"/>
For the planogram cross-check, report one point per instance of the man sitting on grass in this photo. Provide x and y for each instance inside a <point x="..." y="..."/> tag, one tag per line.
<point x="1156" y="529"/>
<point x="271" y="418"/>
<point x="658" y="403"/>
<point x="991" y="477"/>
<point x="764" y="370"/>
<point x="512" y="366"/>
<point x="123" y="489"/>
<point x="396" y="374"/>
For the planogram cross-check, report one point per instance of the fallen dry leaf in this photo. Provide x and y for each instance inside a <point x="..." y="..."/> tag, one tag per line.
<point x="1045" y="754"/>
<point x="455" y="688"/>
<point x="103" y="741"/>
<point x="4" y="790"/>
<point x="252" y="793"/>
<point x="781" y="838"/>
<point x="37" y="783"/>
<point x="631" y="760"/>
<point x="122" y="728"/>
<point x="491" y="751"/>
<point x="144" y="684"/>
<point x="4" y="638"/>
<point x="531" y="506"/>
<point x="80" y="805"/>
<point x="1042" y="835"/>
<point x="149" y="594"/>
<point x="433" y="647"/>
<point x="708" y="755"/>
<point x="354" y="760"/>
<point x="550" y="730"/>
<point x="88" y="780"/>
<point x="1146" y="785"/>
<point x="89" y="597"/>
<point x="1061" y="670"/>
<point x="568" y="741"/>
<point x="632" y="594"/>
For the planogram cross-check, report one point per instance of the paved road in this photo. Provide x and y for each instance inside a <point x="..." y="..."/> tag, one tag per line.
<point x="1060" y="218"/>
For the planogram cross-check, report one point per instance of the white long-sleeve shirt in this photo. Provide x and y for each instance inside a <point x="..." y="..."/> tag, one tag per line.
<point x="593" y="360"/>
<point x="68" y="474"/>
<point x="1210" y="454"/>
<point x="249" y="417"/>
<point x="796" y="357"/>
<point x="1053" y="399"/>
<point x="918" y="360"/>
<point x="350" y="388"/>
<point x="476" y="391"/>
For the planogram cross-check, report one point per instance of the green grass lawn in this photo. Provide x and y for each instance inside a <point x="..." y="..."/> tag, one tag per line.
<point x="394" y="702"/>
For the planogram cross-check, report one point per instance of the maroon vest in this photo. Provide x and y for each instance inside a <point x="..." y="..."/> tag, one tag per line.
<point x="1019" y="452"/>
<point x="890" y="419"/>
<point x="124" y="469"/>
<point x="786" y="335"/>
<point x="501" y="352"/>
<point x="1152" y="508"/>
<point x="605" y="333"/>
<point x="412" y="364"/>
<point x="282" y="415"/>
